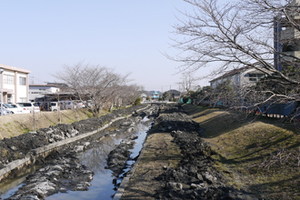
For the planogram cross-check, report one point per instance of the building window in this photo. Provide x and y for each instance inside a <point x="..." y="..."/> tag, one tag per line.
<point x="8" y="79"/>
<point x="9" y="98"/>
<point x="22" y="99"/>
<point x="254" y="77"/>
<point x="22" y="80"/>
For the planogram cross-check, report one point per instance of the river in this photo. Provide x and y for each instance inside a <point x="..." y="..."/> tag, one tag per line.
<point x="104" y="184"/>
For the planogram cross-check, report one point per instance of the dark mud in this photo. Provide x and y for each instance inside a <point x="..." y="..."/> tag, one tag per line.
<point x="118" y="157"/>
<point x="18" y="147"/>
<point x="60" y="171"/>
<point x="195" y="177"/>
<point x="58" y="175"/>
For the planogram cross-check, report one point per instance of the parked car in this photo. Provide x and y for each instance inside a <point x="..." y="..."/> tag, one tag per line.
<point x="30" y="107"/>
<point x="89" y="103"/>
<point x="14" y="105"/>
<point x="13" y="108"/>
<point x="54" y="106"/>
<point x="66" y="105"/>
<point x="5" y="111"/>
<point x="78" y="104"/>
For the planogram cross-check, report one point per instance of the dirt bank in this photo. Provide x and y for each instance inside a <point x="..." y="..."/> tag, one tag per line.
<point x="20" y="146"/>
<point x="177" y="164"/>
<point x="17" y="124"/>
<point x="261" y="156"/>
<point x="60" y="171"/>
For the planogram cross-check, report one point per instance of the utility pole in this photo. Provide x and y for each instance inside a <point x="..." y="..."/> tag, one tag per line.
<point x="33" y="118"/>
<point x="1" y="72"/>
<point x="169" y="93"/>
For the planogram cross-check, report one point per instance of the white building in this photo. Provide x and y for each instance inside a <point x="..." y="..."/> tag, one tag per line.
<point x="245" y="76"/>
<point x="39" y="91"/>
<point x="14" y="84"/>
<point x="143" y="97"/>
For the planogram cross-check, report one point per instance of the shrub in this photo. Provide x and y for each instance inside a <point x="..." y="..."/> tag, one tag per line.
<point x="137" y="101"/>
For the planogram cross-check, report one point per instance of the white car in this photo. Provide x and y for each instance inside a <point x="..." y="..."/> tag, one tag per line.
<point x="78" y="104"/>
<point x="54" y="106"/>
<point x="15" y="109"/>
<point x="5" y="111"/>
<point x="29" y="107"/>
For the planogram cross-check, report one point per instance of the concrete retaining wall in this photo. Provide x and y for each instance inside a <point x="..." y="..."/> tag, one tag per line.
<point x="34" y="154"/>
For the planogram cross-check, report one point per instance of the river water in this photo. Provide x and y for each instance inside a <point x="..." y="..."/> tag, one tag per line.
<point x="8" y="187"/>
<point x="104" y="184"/>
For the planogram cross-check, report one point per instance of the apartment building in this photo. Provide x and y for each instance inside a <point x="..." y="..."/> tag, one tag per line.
<point x="14" y="84"/>
<point x="244" y="76"/>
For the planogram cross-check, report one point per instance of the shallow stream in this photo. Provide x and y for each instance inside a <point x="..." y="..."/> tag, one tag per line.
<point x="104" y="184"/>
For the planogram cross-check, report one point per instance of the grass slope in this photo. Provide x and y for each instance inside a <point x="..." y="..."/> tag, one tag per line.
<point x="14" y="125"/>
<point x="248" y="153"/>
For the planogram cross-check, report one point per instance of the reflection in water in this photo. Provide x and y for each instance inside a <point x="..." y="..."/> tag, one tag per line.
<point x="9" y="186"/>
<point x="95" y="159"/>
<point x="141" y="133"/>
<point x="102" y="186"/>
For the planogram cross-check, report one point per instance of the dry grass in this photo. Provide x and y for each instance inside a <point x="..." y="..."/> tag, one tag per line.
<point x="14" y="125"/>
<point x="244" y="149"/>
<point x="159" y="152"/>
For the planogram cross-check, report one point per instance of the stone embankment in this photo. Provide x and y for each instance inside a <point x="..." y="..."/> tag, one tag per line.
<point x="60" y="170"/>
<point x="25" y="149"/>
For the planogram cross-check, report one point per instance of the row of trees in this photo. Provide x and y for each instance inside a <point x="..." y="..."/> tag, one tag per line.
<point x="241" y="33"/>
<point x="101" y="85"/>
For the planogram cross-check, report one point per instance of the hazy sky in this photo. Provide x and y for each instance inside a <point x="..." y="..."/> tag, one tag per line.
<point x="127" y="35"/>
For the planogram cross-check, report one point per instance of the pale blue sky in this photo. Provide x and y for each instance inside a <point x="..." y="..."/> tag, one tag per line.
<point x="127" y="35"/>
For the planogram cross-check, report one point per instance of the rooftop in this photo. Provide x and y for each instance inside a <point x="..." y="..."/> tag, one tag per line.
<point x="15" y="69"/>
<point x="230" y="73"/>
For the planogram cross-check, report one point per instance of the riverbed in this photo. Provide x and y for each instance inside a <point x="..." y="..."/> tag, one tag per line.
<point x="104" y="184"/>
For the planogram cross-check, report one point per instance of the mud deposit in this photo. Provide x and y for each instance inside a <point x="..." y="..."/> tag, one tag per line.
<point x="195" y="178"/>
<point x="93" y="167"/>
<point x="74" y="166"/>
<point x="18" y="147"/>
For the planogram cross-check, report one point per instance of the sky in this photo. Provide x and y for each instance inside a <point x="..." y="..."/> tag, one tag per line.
<point x="129" y="36"/>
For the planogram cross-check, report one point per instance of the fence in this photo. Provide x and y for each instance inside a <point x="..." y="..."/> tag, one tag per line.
<point x="281" y="110"/>
<point x="289" y="109"/>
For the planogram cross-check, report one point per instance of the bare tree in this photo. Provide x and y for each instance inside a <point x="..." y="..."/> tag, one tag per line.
<point x="241" y="33"/>
<point x="87" y="82"/>
<point x="130" y="93"/>
<point x="126" y="95"/>
<point x="187" y="81"/>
